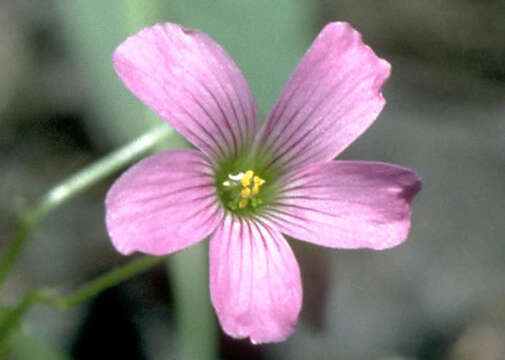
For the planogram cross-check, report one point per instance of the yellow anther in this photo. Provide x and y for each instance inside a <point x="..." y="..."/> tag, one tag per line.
<point x="242" y="203"/>
<point x="246" y="179"/>
<point x="245" y="192"/>
<point x="243" y="188"/>
<point x="258" y="181"/>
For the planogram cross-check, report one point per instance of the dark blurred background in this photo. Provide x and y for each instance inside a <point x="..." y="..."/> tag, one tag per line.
<point x="441" y="295"/>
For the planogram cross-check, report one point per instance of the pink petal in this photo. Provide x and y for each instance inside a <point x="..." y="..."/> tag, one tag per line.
<point x="192" y="83"/>
<point x="332" y="97"/>
<point x="254" y="281"/>
<point x="347" y="204"/>
<point x="162" y="204"/>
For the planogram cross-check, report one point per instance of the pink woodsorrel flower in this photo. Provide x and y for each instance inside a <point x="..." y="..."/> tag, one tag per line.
<point x="245" y="188"/>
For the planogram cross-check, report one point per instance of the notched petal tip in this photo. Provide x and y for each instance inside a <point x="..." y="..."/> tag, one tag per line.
<point x="258" y="338"/>
<point x="411" y="190"/>
<point x="276" y="331"/>
<point x="341" y="32"/>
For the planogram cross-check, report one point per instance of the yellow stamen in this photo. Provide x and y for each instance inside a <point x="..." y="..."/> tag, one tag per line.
<point x="242" y="203"/>
<point x="247" y="185"/>
<point x="245" y="192"/>
<point x="258" y="181"/>
<point x="246" y="179"/>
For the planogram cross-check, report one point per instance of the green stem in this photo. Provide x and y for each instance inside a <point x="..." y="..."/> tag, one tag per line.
<point x="49" y="297"/>
<point x="196" y="325"/>
<point x="73" y="186"/>
<point x="11" y="320"/>
<point x="26" y="222"/>
<point x="103" y="282"/>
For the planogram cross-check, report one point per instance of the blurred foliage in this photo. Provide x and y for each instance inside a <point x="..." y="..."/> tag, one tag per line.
<point x="27" y="346"/>
<point x="94" y="28"/>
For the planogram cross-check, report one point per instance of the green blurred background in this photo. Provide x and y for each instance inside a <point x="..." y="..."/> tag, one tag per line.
<point x="441" y="295"/>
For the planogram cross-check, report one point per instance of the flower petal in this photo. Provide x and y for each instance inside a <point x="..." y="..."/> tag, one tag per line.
<point x="347" y="204"/>
<point x="192" y="83"/>
<point x="332" y="97"/>
<point x="254" y="281"/>
<point x="162" y="204"/>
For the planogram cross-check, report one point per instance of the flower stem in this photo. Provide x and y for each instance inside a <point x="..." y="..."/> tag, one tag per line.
<point x="103" y="282"/>
<point x="74" y="185"/>
<point x="188" y="271"/>
<point x="51" y="298"/>
<point x="11" y="319"/>
<point x="26" y="222"/>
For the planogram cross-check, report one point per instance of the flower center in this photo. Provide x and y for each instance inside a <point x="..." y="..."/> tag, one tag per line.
<point x="243" y="190"/>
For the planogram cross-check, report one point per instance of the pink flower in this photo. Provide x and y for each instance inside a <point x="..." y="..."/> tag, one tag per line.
<point x="245" y="188"/>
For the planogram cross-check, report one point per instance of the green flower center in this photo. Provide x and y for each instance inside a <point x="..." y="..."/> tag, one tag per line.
<point x="244" y="185"/>
<point x="244" y="190"/>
